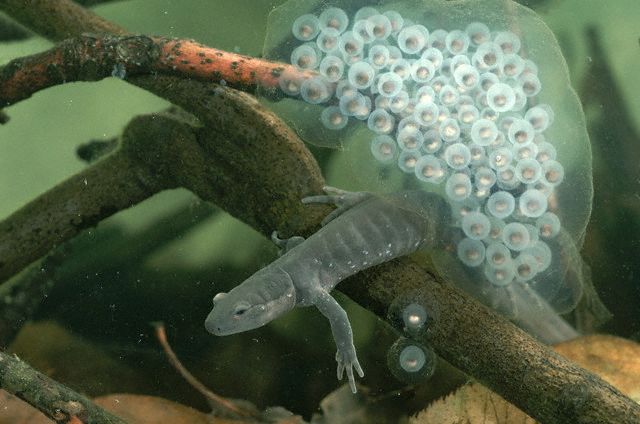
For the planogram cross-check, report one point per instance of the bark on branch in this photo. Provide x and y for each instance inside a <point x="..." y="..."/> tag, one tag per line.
<point x="58" y="19"/>
<point x="276" y="173"/>
<point x="56" y="401"/>
<point x="91" y="58"/>
<point x="244" y="157"/>
<point x="97" y="192"/>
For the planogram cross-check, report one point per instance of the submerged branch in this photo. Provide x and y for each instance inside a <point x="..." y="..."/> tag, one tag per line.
<point x="92" y="58"/>
<point x="21" y="297"/>
<point x="80" y="202"/>
<point x="58" y="19"/>
<point x="10" y="31"/>
<point x="256" y="161"/>
<point x="53" y="399"/>
<point x="245" y="158"/>
<point x="475" y="339"/>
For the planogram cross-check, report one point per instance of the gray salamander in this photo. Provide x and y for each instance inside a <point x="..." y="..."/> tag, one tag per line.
<point x="365" y="230"/>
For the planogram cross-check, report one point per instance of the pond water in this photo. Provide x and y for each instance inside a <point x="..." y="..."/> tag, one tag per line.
<point x="565" y="119"/>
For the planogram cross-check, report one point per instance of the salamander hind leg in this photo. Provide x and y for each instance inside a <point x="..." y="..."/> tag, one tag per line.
<point x="344" y="200"/>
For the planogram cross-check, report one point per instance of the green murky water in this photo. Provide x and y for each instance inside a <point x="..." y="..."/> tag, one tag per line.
<point x="164" y="259"/>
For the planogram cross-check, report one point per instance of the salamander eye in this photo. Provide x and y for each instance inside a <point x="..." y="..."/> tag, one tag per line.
<point x="241" y="308"/>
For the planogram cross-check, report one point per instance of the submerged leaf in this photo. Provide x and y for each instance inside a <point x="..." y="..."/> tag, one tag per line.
<point x="140" y="409"/>
<point x="614" y="359"/>
<point x="472" y="404"/>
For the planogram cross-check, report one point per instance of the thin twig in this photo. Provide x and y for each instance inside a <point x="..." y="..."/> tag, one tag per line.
<point x="53" y="399"/>
<point x="215" y="399"/>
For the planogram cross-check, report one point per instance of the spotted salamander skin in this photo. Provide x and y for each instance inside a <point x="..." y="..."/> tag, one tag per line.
<point x="364" y="231"/>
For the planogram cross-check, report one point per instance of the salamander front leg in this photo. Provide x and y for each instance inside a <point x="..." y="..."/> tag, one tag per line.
<point x="343" y="336"/>
<point x="285" y="244"/>
<point x="344" y="200"/>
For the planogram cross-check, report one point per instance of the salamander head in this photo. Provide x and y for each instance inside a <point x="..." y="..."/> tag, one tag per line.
<point x="264" y="296"/>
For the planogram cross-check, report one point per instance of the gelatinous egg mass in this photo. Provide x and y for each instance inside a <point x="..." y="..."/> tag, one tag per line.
<point x="461" y="99"/>
<point x="439" y="90"/>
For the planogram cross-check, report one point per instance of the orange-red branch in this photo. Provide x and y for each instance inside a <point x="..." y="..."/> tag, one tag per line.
<point x="187" y="57"/>
<point x="91" y="58"/>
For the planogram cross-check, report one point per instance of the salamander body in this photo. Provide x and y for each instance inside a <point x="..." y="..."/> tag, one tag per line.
<point x="364" y="231"/>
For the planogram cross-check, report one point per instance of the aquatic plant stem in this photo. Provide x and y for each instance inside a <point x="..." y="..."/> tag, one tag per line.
<point x="53" y="399"/>
<point x="473" y="338"/>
